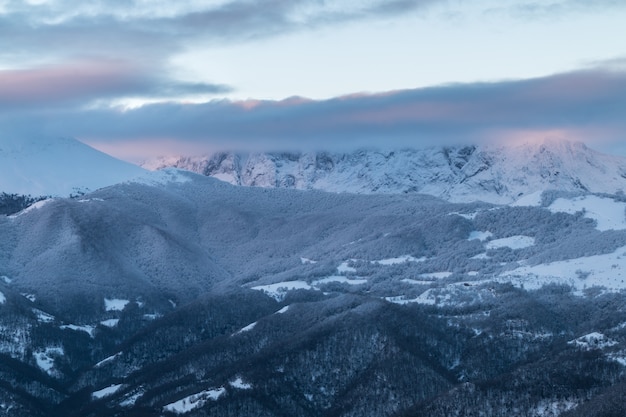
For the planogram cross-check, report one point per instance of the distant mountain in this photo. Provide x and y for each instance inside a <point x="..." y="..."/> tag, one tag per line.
<point x="57" y="167"/>
<point x="496" y="174"/>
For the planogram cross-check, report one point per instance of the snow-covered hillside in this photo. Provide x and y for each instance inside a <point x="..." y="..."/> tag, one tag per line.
<point x="57" y="167"/>
<point x="496" y="173"/>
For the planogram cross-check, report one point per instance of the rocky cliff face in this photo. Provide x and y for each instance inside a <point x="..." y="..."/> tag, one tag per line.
<point x="496" y="174"/>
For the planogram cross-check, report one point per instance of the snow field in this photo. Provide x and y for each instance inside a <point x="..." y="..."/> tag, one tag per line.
<point x="194" y="401"/>
<point x="608" y="271"/>
<point x="115" y="304"/>
<point x="105" y="392"/>
<point x="608" y="213"/>
<point x="513" y="242"/>
<point x="45" y="358"/>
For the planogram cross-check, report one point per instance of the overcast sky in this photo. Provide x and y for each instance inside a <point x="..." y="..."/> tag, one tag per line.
<point x="144" y="78"/>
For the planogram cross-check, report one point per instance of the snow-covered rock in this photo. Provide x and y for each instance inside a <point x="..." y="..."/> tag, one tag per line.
<point x="493" y="173"/>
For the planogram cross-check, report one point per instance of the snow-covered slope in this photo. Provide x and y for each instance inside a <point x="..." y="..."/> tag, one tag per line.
<point x="57" y="167"/>
<point x="497" y="174"/>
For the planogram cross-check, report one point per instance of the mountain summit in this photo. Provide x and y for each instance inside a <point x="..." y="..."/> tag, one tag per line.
<point x="492" y="173"/>
<point x="58" y="167"/>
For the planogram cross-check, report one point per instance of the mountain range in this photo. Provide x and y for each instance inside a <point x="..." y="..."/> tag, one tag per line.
<point x="492" y="173"/>
<point x="172" y="293"/>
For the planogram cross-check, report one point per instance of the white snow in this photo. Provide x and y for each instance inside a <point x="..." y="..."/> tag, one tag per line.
<point x="3" y="299"/>
<point x="246" y="328"/>
<point x="399" y="260"/>
<point x="608" y="213"/>
<point x="416" y="281"/>
<point x="84" y="328"/>
<point x="45" y="358"/>
<point x="43" y="317"/>
<point x="163" y="177"/>
<point x="115" y="304"/>
<point x="532" y="200"/>
<point x="132" y="399"/>
<point x="34" y="206"/>
<point x="468" y="216"/>
<point x="593" y="340"/>
<point x="105" y="392"/>
<point x="621" y="359"/>
<point x="30" y="297"/>
<point x="477" y="235"/>
<point x="513" y="242"/>
<point x="110" y="322"/>
<point x="480" y="256"/>
<point x="280" y="289"/>
<point x="282" y="310"/>
<point x="240" y="384"/>
<point x="59" y="167"/>
<point x="437" y="275"/>
<point x="194" y="401"/>
<point x="87" y="200"/>
<point x="6" y="279"/>
<point x="338" y="278"/>
<point x="344" y="267"/>
<point x="107" y="360"/>
<point x="608" y="271"/>
<point x="305" y="261"/>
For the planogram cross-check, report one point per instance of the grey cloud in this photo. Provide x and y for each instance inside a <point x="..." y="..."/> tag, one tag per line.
<point x="590" y="102"/>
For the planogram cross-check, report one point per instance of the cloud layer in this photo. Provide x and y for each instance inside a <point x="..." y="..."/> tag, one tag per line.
<point x="62" y="65"/>
<point x="584" y="105"/>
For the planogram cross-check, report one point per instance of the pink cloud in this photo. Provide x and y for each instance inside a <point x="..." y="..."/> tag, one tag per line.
<point x="66" y="82"/>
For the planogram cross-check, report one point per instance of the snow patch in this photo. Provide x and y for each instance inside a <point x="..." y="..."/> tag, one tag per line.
<point x="115" y="304"/>
<point x="593" y="340"/>
<point x="132" y="399"/>
<point x="105" y="392"/>
<point x="416" y="281"/>
<point x="43" y="317"/>
<point x="30" y="297"/>
<point x="246" y="328"/>
<point x="436" y="275"/>
<point x="45" y="358"/>
<point x="6" y="279"/>
<point x="477" y="235"/>
<point x="529" y="200"/>
<point x="608" y="213"/>
<point x="34" y="206"/>
<point x="279" y="290"/>
<point x="194" y="401"/>
<point x="240" y="384"/>
<point x="107" y="360"/>
<point x="282" y="310"/>
<point x="338" y="278"/>
<point x="345" y="268"/>
<point x="607" y="270"/>
<point x="305" y="261"/>
<point x="110" y="322"/>
<point x="3" y="299"/>
<point x="85" y="328"/>
<point x="513" y="242"/>
<point x="399" y="260"/>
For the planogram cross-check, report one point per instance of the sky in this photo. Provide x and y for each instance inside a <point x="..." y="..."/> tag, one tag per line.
<point x="139" y="78"/>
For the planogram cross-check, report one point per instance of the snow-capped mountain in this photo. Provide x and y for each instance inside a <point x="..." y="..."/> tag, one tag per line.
<point x="57" y="167"/>
<point x="496" y="174"/>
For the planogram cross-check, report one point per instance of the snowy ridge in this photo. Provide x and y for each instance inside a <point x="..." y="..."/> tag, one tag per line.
<point x="58" y="167"/>
<point x="496" y="174"/>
